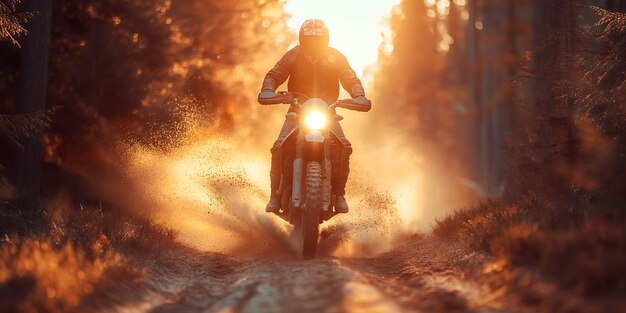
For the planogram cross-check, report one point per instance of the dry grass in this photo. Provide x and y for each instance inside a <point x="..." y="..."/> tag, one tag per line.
<point x="581" y="246"/>
<point x="80" y="254"/>
<point x="39" y="276"/>
<point x="19" y="126"/>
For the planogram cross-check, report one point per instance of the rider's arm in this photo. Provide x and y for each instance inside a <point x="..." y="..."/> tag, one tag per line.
<point x="279" y="73"/>
<point x="348" y="78"/>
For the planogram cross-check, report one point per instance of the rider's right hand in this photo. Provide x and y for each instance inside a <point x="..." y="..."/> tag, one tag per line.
<point x="270" y="97"/>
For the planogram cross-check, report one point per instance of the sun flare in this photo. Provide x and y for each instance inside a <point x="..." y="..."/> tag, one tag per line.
<point x="356" y="26"/>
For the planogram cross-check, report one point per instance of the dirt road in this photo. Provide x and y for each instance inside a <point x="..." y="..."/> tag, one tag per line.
<point x="424" y="275"/>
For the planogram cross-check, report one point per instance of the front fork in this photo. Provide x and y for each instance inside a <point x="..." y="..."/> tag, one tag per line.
<point x="298" y="169"/>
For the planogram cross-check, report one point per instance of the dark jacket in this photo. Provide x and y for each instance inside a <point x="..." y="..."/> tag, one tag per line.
<point x="316" y="78"/>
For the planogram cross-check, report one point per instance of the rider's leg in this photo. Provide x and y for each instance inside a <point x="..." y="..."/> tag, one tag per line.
<point x="275" y="171"/>
<point x="273" y="205"/>
<point x="341" y="169"/>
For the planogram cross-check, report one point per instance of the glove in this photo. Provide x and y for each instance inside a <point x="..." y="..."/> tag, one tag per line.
<point x="270" y="97"/>
<point x="267" y="94"/>
<point x="358" y="103"/>
<point x="361" y="100"/>
<point x="267" y="97"/>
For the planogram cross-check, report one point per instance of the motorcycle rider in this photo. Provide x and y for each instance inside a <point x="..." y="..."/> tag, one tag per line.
<point x="313" y="69"/>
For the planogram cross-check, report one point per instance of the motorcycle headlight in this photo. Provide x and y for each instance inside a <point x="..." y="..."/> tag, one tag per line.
<point x="315" y="120"/>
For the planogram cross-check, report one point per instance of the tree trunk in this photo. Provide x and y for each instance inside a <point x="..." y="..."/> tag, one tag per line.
<point x="474" y="54"/>
<point x="562" y="103"/>
<point x="513" y="63"/>
<point x="616" y="5"/>
<point x="545" y="43"/>
<point x="486" y="103"/>
<point x="32" y="92"/>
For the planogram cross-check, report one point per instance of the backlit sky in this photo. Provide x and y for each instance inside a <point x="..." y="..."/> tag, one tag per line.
<point x="355" y="25"/>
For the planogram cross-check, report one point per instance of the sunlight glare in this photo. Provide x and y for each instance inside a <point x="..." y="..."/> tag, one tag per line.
<point x="356" y="26"/>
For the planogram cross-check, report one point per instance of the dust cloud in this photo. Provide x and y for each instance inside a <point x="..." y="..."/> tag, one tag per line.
<point x="390" y="160"/>
<point x="211" y="187"/>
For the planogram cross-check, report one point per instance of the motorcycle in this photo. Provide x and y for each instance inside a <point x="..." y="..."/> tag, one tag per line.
<point x="305" y="185"/>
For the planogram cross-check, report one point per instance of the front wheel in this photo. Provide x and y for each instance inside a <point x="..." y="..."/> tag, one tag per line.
<point x="312" y="207"/>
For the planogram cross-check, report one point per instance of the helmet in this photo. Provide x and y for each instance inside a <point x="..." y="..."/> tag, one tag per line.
<point x="314" y="36"/>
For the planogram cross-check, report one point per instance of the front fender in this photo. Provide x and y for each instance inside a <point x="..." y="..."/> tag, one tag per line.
<point x="314" y="136"/>
<point x="314" y="145"/>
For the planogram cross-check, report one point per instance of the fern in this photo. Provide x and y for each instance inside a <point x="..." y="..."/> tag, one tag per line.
<point x="15" y="127"/>
<point x="613" y="22"/>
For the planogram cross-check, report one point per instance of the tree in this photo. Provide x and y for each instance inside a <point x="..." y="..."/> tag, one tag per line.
<point x="32" y="93"/>
<point x="11" y="21"/>
<point x="16" y="129"/>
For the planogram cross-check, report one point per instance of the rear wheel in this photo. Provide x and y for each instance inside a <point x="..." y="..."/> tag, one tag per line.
<point x="312" y="208"/>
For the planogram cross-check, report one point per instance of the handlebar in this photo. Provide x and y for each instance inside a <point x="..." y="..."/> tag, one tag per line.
<point x="295" y="98"/>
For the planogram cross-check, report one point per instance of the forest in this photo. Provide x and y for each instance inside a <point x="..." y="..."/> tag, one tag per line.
<point x="490" y="174"/>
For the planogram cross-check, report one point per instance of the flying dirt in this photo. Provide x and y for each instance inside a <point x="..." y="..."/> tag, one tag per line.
<point x="211" y="188"/>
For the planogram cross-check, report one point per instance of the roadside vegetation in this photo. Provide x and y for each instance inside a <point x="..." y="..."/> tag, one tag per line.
<point x="74" y="254"/>
<point x="564" y="206"/>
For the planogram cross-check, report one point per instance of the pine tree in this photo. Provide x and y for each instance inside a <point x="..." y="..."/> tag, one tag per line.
<point x="11" y="21"/>
<point x="599" y="103"/>
<point x="15" y="127"/>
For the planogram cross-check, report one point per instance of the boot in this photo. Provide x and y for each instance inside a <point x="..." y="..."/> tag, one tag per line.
<point x="273" y="206"/>
<point x="339" y="189"/>
<point x="341" y="206"/>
